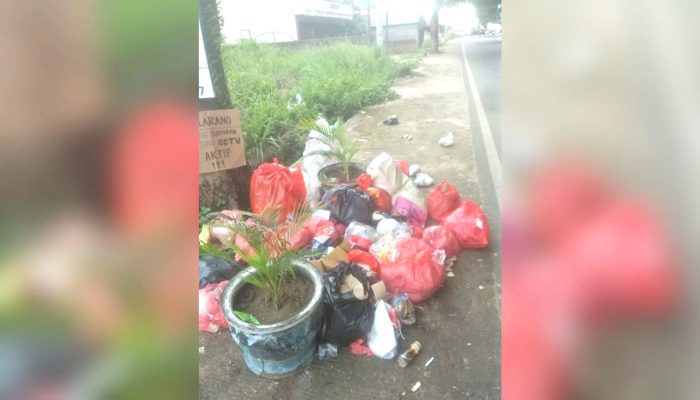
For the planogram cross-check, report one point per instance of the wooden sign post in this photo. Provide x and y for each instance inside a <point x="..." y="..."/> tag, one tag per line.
<point x="224" y="176"/>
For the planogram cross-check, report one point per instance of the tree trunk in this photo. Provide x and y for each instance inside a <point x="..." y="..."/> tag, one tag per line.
<point x="434" y="41"/>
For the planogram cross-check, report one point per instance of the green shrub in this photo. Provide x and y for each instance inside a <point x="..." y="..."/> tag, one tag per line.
<point x="336" y="81"/>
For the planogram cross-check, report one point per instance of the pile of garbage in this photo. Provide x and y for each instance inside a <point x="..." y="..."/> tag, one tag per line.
<point x="380" y="243"/>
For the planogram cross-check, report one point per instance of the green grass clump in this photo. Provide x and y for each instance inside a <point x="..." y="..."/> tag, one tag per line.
<point x="336" y="80"/>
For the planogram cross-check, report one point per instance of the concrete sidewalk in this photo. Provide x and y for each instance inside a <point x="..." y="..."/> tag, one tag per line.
<point x="460" y="325"/>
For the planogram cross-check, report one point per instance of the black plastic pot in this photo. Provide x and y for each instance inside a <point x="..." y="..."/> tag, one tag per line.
<point x="326" y="174"/>
<point x="280" y="349"/>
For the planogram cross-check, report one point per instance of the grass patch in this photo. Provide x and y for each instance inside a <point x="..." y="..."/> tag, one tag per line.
<point x="336" y="80"/>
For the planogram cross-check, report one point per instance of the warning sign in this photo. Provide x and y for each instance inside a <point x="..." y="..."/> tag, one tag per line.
<point x="221" y="144"/>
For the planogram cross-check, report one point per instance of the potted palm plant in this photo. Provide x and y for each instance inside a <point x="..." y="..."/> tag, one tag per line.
<point x="274" y="307"/>
<point x="341" y="147"/>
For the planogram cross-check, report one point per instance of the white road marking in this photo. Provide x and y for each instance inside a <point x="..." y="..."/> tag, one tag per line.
<point x="490" y="145"/>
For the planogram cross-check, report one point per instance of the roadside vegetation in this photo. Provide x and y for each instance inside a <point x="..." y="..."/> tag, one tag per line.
<point x="276" y="89"/>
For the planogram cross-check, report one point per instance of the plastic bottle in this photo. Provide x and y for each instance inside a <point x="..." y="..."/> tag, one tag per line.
<point x="407" y="356"/>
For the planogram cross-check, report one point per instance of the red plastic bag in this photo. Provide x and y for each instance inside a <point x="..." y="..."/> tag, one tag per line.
<point x="364" y="181"/>
<point x="380" y="197"/>
<point x="275" y="186"/>
<point x="403" y="166"/>
<point x="442" y="238"/>
<point x="417" y="231"/>
<point x="322" y="227"/>
<point x="625" y="262"/>
<point x="211" y="319"/>
<point x="358" y="256"/>
<point x="469" y="225"/>
<point x="360" y="348"/>
<point x="414" y="270"/>
<point x="442" y="201"/>
<point x="300" y="239"/>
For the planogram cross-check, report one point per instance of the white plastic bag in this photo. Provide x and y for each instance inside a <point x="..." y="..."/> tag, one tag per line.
<point x="312" y="162"/>
<point x="411" y="192"/>
<point x="386" y="174"/>
<point x="381" y="338"/>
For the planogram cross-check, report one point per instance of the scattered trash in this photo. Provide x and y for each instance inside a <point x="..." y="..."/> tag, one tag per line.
<point x="447" y="140"/>
<point x="407" y="137"/>
<point x="405" y="310"/>
<point x="469" y="344"/>
<point x="391" y="120"/>
<point x="423" y="180"/>
<point x="407" y="356"/>
<point x="327" y="350"/>
<point x="416" y="386"/>
<point x="381" y="338"/>
<point x="385" y="254"/>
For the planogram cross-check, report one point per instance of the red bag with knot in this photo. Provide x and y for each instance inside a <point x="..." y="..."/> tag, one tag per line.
<point x="273" y="185"/>
<point x="442" y="238"/>
<point x="415" y="270"/>
<point x="469" y="225"/>
<point x="442" y="201"/>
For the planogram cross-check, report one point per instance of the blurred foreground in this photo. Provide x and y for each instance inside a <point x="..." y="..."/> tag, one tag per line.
<point x="99" y="161"/>
<point x="99" y="180"/>
<point x="599" y="120"/>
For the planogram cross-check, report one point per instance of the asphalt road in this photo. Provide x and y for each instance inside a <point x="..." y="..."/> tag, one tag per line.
<point x="484" y="56"/>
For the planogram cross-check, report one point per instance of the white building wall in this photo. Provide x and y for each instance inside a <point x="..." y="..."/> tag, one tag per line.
<point x="257" y="20"/>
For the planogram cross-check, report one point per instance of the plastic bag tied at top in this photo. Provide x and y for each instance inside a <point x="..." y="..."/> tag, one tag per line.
<point x="346" y="317"/>
<point x="275" y="186"/>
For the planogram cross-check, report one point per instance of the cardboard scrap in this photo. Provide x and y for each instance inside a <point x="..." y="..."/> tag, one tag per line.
<point x="335" y="257"/>
<point x="379" y="291"/>
<point x="351" y="284"/>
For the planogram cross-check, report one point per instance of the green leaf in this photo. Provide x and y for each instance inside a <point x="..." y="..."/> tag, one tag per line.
<point x="245" y="317"/>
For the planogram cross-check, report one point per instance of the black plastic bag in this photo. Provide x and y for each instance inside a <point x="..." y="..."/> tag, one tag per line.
<point x="346" y="317"/>
<point x="214" y="270"/>
<point x="348" y="204"/>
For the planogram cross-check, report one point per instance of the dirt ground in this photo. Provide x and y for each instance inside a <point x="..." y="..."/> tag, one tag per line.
<point x="460" y="326"/>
